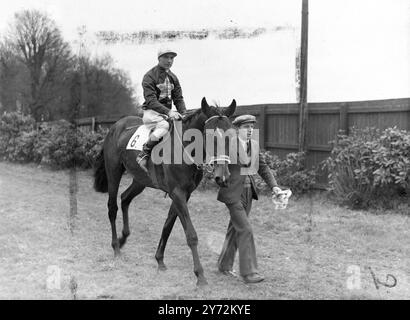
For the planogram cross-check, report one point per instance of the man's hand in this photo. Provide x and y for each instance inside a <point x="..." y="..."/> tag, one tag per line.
<point x="174" y="115"/>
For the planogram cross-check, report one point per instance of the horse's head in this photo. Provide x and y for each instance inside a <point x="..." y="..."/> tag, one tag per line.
<point x="217" y="131"/>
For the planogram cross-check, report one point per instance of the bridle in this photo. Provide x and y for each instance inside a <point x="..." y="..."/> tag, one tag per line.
<point x="205" y="166"/>
<point x="217" y="116"/>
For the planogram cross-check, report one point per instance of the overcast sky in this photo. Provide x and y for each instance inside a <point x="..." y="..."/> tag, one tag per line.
<point x="161" y="14"/>
<point x="358" y="49"/>
<point x="128" y="15"/>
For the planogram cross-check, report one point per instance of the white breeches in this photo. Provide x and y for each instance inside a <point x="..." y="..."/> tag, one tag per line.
<point x="154" y="120"/>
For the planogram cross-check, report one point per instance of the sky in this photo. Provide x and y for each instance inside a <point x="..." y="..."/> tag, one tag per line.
<point x="358" y="49"/>
<point x="128" y="15"/>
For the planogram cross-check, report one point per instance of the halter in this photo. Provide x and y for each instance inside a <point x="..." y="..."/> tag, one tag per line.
<point x="206" y="166"/>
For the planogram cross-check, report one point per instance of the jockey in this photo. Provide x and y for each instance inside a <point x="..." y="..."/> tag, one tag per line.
<point x="161" y="87"/>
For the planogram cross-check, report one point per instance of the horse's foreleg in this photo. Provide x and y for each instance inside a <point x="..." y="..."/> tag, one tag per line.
<point x="179" y="199"/>
<point x="166" y="231"/>
<point x="126" y="197"/>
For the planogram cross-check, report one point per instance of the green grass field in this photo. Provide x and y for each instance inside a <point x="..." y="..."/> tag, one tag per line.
<point x="312" y="250"/>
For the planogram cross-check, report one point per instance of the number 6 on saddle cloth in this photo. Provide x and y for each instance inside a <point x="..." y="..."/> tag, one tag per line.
<point x="138" y="139"/>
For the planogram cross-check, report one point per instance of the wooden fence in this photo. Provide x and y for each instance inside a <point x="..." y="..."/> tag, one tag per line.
<point x="278" y="123"/>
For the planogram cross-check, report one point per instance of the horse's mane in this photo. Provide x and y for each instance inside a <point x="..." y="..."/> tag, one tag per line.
<point x="190" y="114"/>
<point x="195" y="113"/>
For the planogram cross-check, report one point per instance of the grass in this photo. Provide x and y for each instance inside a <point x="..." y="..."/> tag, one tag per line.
<point x="305" y="251"/>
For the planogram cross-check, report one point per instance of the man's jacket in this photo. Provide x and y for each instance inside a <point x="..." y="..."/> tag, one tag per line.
<point x="239" y="172"/>
<point x="160" y="89"/>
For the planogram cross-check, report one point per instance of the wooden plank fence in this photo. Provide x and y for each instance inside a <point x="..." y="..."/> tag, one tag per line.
<point x="95" y="123"/>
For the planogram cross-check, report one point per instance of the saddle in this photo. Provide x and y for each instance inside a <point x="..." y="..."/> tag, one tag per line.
<point x="136" y="143"/>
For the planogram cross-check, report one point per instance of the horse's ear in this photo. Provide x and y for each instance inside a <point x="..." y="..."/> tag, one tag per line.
<point x="231" y="109"/>
<point x="205" y="107"/>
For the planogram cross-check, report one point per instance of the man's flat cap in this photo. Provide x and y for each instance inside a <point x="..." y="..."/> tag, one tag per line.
<point x="245" y="118"/>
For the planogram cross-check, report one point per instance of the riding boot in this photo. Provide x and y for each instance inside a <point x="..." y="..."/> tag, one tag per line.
<point x="144" y="155"/>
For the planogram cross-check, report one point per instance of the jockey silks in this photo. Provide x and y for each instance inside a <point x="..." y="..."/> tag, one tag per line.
<point x="161" y="88"/>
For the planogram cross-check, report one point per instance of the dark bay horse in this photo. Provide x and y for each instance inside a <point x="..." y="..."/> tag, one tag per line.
<point x="178" y="180"/>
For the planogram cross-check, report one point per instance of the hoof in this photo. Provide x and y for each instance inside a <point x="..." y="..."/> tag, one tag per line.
<point x="162" y="267"/>
<point x="117" y="254"/>
<point x="201" y="283"/>
<point x="123" y="239"/>
<point x="122" y="242"/>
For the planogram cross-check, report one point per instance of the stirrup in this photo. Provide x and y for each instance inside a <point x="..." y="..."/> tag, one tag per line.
<point x="143" y="162"/>
<point x="140" y="158"/>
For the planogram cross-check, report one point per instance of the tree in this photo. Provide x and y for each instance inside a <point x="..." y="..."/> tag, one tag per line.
<point x="37" y="43"/>
<point x="38" y="69"/>
<point x="108" y="90"/>
<point x="14" y="87"/>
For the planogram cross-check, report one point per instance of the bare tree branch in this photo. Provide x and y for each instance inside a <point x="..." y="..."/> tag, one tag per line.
<point x="38" y="43"/>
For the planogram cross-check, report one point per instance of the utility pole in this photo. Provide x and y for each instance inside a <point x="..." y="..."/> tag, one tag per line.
<point x="83" y="105"/>
<point x="303" y="105"/>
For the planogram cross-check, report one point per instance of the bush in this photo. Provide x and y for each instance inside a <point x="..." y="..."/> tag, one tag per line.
<point x="58" y="144"/>
<point x="61" y="145"/>
<point x="14" y="128"/>
<point x="22" y="149"/>
<point x="370" y="168"/>
<point x="89" y="145"/>
<point x="289" y="172"/>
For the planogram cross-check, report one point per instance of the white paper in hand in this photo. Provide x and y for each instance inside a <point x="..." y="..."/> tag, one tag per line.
<point x="281" y="198"/>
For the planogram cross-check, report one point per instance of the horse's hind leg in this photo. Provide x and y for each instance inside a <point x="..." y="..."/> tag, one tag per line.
<point x="114" y="179"/>
<point x="126" y="197"/>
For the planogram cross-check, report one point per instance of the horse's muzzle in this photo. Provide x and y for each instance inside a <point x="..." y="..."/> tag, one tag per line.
<point x="221" y="181"/>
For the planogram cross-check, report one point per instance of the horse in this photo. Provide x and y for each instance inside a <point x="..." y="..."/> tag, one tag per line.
<point x="178" y="180"/>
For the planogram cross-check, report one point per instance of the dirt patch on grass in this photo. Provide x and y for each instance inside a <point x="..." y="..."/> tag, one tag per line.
<point x="312" y="250"/>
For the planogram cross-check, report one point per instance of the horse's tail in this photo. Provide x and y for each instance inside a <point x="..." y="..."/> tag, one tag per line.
<point x="100" y="175"/>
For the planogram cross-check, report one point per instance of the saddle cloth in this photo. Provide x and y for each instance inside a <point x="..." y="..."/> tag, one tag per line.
<point x="138" y="139"/>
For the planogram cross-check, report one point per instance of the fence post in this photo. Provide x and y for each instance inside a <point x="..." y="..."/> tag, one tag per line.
<point x="408" y="120"/>
<point x="343" y="119"/>
<point x="262" y="127"/>
<point x="93" y="124"/>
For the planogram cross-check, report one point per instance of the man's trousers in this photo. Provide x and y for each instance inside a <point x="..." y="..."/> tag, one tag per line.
<point x="239" y="236"/>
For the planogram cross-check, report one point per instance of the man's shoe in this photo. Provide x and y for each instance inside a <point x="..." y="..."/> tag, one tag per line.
<point x="253" y="278"/>
<point x="229" y="273"/>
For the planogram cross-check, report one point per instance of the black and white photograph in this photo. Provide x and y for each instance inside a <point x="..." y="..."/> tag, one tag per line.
<point x="225" y="151"/>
